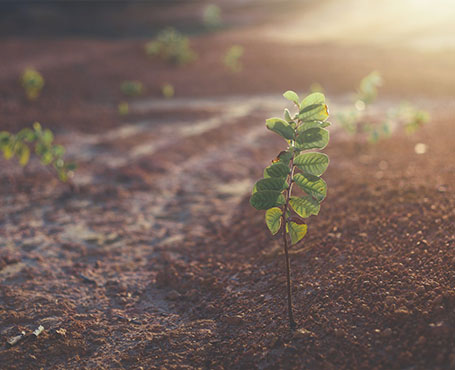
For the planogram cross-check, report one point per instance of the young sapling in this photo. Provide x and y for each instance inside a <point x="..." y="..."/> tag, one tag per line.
<point x="300" y="165"/>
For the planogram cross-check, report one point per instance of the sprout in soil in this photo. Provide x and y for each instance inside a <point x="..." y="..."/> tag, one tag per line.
<point x="171" y="46"/>
<point x="232" y="59"/>
<point x="303" y="131"/>
<point x="360" y="121"/>
<point x="132" y="88"/>
<point x="168" y="90"/>
<point x="32" y="82"/>
<point x="212" y="16"/>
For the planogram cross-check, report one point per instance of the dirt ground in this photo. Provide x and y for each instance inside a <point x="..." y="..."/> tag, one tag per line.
<point x="159" y="261"/>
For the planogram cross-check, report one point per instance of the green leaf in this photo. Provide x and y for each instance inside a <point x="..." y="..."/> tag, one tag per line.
<point x="312" y="185"/>
<point x="307" y="125"/>
<point x="5" y="138"/>
<point x="284" y="157"/>
<point x="292" y="96"/>
<point x="277" y="170"/>
<point x="271" y="183"/>
<point x="314" y="98"/>
<point x="23" y="153"/>
<point x="58" y="150"/>
<point x="305" y="206"/>
<point x="281" y="127"/>
<point x="313" y="138"/>
<point x="273" y="219"/>
<point x="314" y="112"/>
<point x="47" y="137"/>
<point x="47" y="158"/>
<point x="296" y="231"/>
<point x="267" y="199"/>
<point x="287" y="115"/>
<point x="26" y="134"/>
<point x="312" y="163"/>
<point x="8" y="149"/>
<point x="325" y="124"/>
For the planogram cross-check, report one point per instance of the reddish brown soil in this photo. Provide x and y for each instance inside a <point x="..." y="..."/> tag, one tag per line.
<point x="151" y="264"/>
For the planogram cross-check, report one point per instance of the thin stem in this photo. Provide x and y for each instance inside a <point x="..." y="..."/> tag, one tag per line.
<point x="292" y="323"/>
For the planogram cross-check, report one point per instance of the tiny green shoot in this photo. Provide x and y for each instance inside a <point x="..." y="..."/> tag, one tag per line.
<point x="168" y="90"/>
<point x="32" y="82"/>
<point x="212" y="16"/>
<point x="123" y="108"/>
<point x="232" y="59"/>
<point x="132" y="88"/>
<point x="358" y="120"/>
<point x="172" y="46"/>
<point x="299" y="164"/>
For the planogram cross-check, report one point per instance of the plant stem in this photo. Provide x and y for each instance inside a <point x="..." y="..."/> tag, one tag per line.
<point x="292" y="323"/>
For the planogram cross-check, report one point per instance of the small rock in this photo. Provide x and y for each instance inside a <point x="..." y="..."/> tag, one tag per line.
<point x="302" y="334"/>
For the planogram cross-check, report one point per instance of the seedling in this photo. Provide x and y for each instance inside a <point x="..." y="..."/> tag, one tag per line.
<point x="356" y="121"/>
<point x="32" y="82"/>
<point x="232" y="58"/>
<point x="168" y="90"/>
<point x="171" y="46"/>
<point x="132" y="88"/>
<point x="123" y="108"/>
<point x="212" y="16"/>
<point x="20" y="146"/>
<point x="413" y="119"/>
<point x="304" y="131"/>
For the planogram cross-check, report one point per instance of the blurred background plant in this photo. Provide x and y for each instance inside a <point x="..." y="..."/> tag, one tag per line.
<point x="132" y="88"/>
<point x="171" y="46"/>
<point x="168" y="90"/>
<point x="212" y="16"/>
<point x="123" y="108"/>
<point x="21" y="144"/>
<point x="232" y="58"/>
<point x="32" y="82"/>
<point x="359" y="121"/>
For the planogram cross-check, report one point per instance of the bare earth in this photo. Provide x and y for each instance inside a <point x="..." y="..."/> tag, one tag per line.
<point x="158" y="260"/>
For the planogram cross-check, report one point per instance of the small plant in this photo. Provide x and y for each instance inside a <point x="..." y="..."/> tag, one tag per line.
<point x="232" y="58"/>
<point x="132" y="88"/>
<point x="358" y="120"/>
<point x="412" y="118"/>
<point x="40" y="140"/>
<point x="32" y="82"/>
<point x="123" y="108"/>
<point x="368" y="89"/>
<point x="171" y="46"/>
<point x="168" y="90"/>
<point x="286" y="212"/>
<point x="212" y="16"/>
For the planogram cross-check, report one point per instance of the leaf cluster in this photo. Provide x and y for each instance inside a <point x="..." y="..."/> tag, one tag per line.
<point x="299" y="165"/>
<point x="171" y="46"/>
<point x="40" y="141"/>
<point x="357" y="121"/>
<point x="32" y="82"/>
